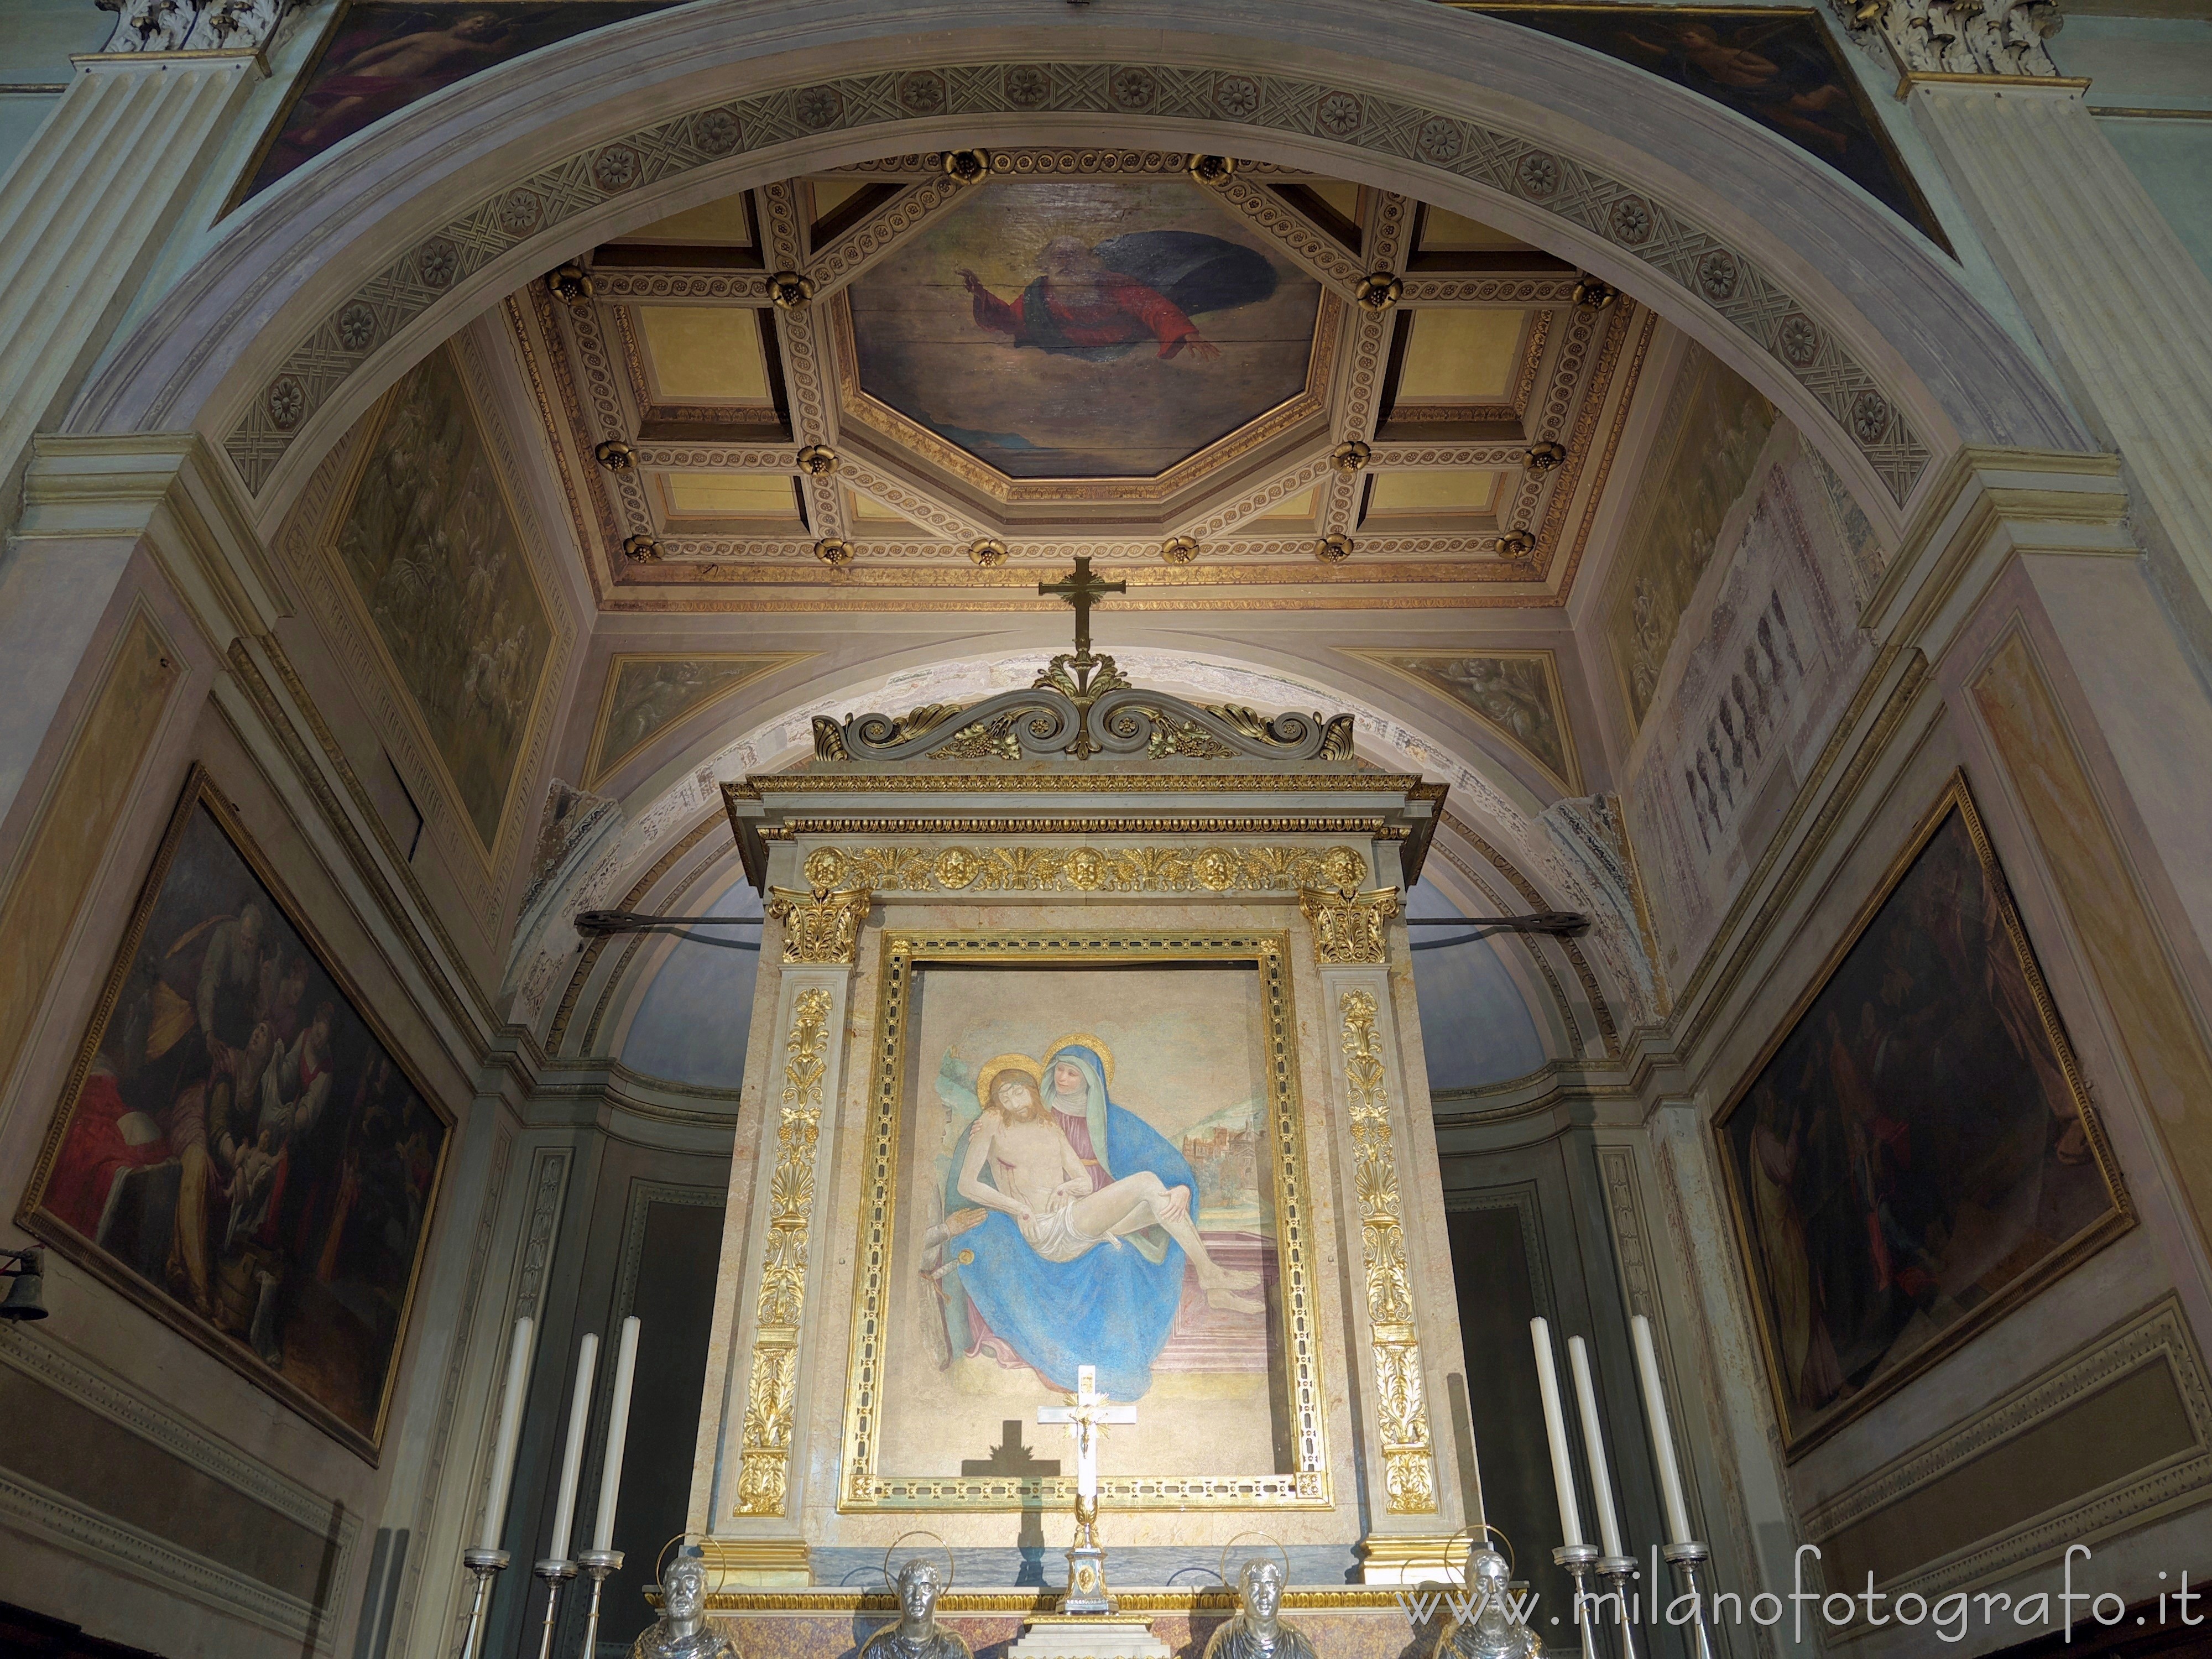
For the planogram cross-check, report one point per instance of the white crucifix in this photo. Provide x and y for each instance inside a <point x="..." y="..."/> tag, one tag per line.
<point x="1086" y="1417"/>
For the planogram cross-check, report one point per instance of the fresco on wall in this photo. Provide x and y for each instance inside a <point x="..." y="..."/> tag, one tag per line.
<point x="1779" y="68"/>
<point x="382" y="56"/>
<point x="1084" y="327"/>
<point x="1515" y="693"/>
<point x="1744" y="706"/>
<point x="238" y="1149"/>
<point x="428" y="539"/>
<point x="645" y="695"/>
<point x="1918" y="1151"/>
<point x="1709" y="437"/>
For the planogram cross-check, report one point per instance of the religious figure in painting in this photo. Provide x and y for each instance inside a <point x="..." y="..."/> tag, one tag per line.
<point x="395" y="72"/>
<point x="1073" y="1223"/>
<point x="1100" y="302"/>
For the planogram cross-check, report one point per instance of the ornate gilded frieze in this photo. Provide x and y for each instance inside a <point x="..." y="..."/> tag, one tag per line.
<point x="820" y="928"/>
<point x="1401" y="1399"/>
<point x="764" y="1467"/>
<point x="957" y="869"/>
<point x="1349" y="926"/>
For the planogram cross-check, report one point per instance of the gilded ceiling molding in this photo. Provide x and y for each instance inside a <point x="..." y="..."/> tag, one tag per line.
<point x="1668" y="241"/>
<point x="805" y="374"/>
<point x="1358" y="402"/>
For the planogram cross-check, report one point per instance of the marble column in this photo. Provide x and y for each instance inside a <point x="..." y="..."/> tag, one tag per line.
<point x="2115" y="298"/>
<point x="83" y="214"/>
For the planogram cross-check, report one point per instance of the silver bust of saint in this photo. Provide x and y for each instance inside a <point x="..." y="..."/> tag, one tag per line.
<point x="683" y="1630"/>
<point x="1494" y="1633"/>
<point x="917" y="1635"/>
<point x="1254" y="1630"/>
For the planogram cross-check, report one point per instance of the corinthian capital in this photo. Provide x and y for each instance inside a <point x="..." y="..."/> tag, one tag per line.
<point x="192" y="25"/>
<point x="1960" y="37"/>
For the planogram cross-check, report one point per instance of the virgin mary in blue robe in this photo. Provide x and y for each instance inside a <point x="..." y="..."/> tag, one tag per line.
<point x="1114" y="1305"/>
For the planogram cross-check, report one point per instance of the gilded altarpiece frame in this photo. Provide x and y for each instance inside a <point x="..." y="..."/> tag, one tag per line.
<point x="906" y="957"/>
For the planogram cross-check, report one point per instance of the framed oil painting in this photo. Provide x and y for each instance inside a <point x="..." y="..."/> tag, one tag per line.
<point x="238" y="1149"/>
<point x="1087" y="1150"/>
<point x="1916" y="1153"/>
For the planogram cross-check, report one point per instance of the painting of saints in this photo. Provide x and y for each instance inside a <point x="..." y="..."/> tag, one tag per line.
<point x="1075" y="1222"/>
<point x="1918" y="1150"/>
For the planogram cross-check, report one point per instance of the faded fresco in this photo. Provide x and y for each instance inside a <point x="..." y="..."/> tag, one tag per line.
<point x="1709" y="440"/>
<point x="1087" y="1180"/>
<point x="382" y="57"/>
<point x="1515" y="693"/>
<point x="240" y="1151"/>
<point x="646" y="694"/>
<point x="1918" y="1150"/>
<point x="1778" y="67"/>
<point x="1084" y="327"/>
<point x="430" y="542"/>
<point x="1746" y="705"/>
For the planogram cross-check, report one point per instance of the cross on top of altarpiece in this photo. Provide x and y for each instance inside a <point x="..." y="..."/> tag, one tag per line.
<point x="1082" y="590"/>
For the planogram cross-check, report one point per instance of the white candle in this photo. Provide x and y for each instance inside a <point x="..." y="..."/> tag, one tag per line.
<point x="1609" y="1522"/>
<point x="504" y="1443"/>
<point x="602" y="1523"/>
<point x="1662" y="1432"/>
<point x="572" y="1463"/>
<point x="1555" y="1428"/>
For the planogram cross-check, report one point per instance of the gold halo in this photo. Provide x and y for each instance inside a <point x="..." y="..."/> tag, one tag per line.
<point x="1221" y="1568"/>
<point x="1083" y="1040"/>
<point x="986" y="1075"/>
<point x="1488" y="1530"/>
<point x="950" y="1566"/>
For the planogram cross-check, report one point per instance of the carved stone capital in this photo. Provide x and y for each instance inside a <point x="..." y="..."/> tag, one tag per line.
<point x="192" y="25"/>
<point x="2003" y="38"/>
<point x="1348" y="926"/>
<point x="820" y="928"/>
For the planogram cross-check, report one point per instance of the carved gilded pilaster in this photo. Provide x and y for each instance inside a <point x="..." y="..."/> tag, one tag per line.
<point x="779" y="1302"/>
<point x="1400" y="1393"/>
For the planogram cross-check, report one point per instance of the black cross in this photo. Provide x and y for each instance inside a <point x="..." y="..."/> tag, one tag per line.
<point x="1082" y="590"/>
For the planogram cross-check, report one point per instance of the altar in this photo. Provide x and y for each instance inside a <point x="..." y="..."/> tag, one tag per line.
<point x="1085" y="1037"/>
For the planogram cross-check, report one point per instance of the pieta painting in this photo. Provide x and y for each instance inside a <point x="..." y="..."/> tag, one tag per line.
<point x="1918" y="1152"/>
<point x="238" y="1149"/>
<point x="1091" y="1167"/>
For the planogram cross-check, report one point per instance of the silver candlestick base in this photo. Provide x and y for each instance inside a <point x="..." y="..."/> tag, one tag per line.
<point x="484" y="1563"/>
<point x="1617" y="1572"/>
<point x="1578" y="1559"/>
<point x="1685" y="1558"/>
<point x="598" y="1564"/>
<point x="556" y="1574"/>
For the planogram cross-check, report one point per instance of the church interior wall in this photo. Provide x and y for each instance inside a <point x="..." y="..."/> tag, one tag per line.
<point x="2138" y="67"/>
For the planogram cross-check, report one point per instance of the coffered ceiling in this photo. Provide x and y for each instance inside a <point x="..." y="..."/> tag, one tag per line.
<point x="847" y="387"/>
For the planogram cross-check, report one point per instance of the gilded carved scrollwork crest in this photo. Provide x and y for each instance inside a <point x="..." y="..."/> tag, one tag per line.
<point x="820" y="928"/>
<point x="1349" y="927"/>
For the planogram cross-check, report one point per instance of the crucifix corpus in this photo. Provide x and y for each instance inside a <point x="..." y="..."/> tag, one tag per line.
<point x="1086" y="1417"/>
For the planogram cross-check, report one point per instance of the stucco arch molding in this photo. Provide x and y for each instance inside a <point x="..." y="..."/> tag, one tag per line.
<point x="1888" y="391"/>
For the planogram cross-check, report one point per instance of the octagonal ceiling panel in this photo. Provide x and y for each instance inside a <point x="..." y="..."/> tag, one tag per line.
<point x="1084" y="328"/>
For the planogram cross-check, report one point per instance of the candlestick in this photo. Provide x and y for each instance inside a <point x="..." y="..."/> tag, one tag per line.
<point x="1609" y="1522"/>
<point x="1662" y="1432"/>
<point x="1684" y="1557"/>
<point x="603" y="1523"/>
<point x="505" y="1441"/>
<point x="556" y="1574"/>
<point x="1555" y="1428"/>
<point x="598" y="1564"/>
<point x="483" y="1564"/>
<point x="1578" y="1559"/>
<point x="572" y="1461"/>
